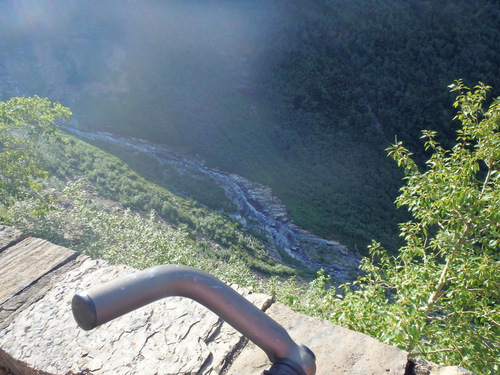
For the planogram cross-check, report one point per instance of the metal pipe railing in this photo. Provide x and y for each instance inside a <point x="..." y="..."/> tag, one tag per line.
<point x="101" y="304"/>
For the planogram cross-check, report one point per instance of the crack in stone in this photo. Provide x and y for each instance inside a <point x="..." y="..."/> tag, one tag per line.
<point x="208" y="362"/>
<point x="189" y="329"/>
<point x="242" y="343"/>
<point x="146" y="323"/>
<point x="88" y="370"/>
<point x="216" y="328"/>
<point x="233" y="354"/>
<point x="146" y="341"/>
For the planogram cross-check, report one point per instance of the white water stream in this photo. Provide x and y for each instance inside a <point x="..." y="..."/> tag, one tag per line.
<point x="254" y="202"/>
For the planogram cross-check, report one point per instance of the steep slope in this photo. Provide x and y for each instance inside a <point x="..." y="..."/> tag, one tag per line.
<point x="300" y="96"/>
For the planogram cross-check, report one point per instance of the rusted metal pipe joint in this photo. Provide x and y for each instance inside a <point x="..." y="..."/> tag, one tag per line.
<point x="101" y="304"/>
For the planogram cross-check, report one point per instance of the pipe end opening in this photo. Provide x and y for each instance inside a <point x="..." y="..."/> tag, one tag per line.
<point x="84" y="311"/>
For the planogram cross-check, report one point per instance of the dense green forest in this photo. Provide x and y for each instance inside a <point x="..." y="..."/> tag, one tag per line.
<point x="425" y="300"/>
<point x="301" y="96"/>
<point x="349" y="77"/>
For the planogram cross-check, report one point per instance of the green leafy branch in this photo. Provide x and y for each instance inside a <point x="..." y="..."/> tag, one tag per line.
<point x="439" y="296"/>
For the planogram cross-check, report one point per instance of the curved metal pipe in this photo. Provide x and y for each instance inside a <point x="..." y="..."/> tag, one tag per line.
<point x="101" y="304"/>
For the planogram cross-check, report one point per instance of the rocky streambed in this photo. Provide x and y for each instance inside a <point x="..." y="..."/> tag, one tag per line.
<point x="256" y="205"/>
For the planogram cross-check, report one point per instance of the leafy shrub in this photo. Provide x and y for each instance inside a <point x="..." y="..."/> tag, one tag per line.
<point x="439" y="296"/>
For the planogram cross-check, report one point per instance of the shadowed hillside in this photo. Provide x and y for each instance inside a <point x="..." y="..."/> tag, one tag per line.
<point x="301" y="96"/>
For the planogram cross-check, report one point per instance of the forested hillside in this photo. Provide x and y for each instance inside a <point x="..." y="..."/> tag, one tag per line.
<point x="346" y="78"/>
<point x="64" y="190"/>
<point x="436" y="298"/>
<point x="302" y="96"/>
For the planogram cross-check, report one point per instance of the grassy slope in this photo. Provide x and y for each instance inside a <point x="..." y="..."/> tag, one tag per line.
<point x="207" y="237"/>
<point x="323" y="94"/>
<point x="329" y="98"/>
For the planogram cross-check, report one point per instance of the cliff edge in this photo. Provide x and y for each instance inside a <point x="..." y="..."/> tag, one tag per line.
<point x="38" y="334"/>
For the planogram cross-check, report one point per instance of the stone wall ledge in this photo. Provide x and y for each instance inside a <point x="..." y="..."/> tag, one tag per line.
<point x="38" y="334"/>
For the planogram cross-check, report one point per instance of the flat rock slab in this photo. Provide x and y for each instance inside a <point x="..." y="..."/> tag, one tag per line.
<point x="27" y="261"/>
<point x="171" y="336"/>
<point x="9" y="236"/>
<point x="38" y="335"/>
<point x="338" y="350"/>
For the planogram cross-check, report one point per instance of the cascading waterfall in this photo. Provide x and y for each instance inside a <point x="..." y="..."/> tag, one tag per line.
<point x="254" y="203"/>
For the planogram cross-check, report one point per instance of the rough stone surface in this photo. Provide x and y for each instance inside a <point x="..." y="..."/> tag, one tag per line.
<point x="32" y="293"/>
<point x="338" y="350"/>
<point x="38" y="335"/>
<point x="422" y="367"/>
<point x="27" y="261"/>
<point x="172" y="336"/>
<point x="9" y="236"/>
